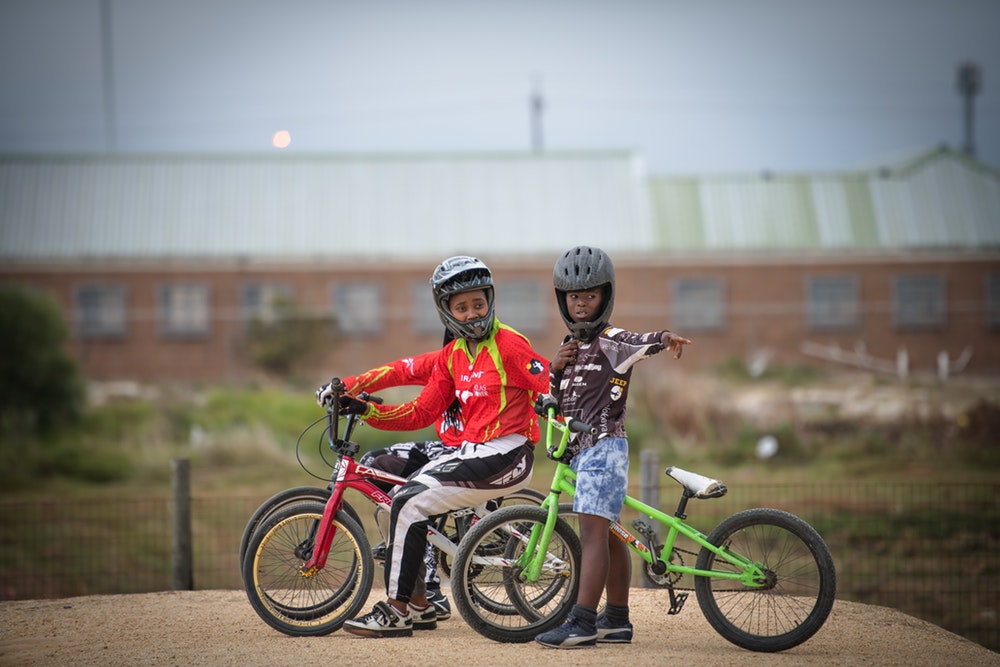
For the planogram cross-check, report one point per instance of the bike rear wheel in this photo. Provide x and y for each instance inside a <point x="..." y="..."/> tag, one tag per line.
<point x="307" y="604"/>
<point x="798" y="591"/>
<point x="486" y="584"/>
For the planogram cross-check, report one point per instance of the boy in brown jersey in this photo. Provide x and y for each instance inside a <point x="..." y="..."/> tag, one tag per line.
<point x="590" y="378"/>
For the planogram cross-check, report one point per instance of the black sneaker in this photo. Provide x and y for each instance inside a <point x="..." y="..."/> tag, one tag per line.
<point x="440" y="603"/>
<point x="382" y="621"/>
<point x="568" y="635"/>
<point x="606" y="634"/>
<point x="423" y="619"/>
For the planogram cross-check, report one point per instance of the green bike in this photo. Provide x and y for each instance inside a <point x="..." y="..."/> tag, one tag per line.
<point x="764" y="578"/>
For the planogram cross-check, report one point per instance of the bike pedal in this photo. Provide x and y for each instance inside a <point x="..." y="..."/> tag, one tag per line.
<point x="677" y="601"/>
<point x="642" y="528"/>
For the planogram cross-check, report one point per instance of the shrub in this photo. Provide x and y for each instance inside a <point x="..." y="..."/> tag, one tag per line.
<point x="40" y="384"/>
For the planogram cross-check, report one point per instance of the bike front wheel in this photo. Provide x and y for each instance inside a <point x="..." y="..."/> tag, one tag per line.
<point x="280" y="500"/>
<point x="299" y="603"/>
<point x="488" y="583"/>
<point x="792" y="600"/>
<point x="456" y="524"/>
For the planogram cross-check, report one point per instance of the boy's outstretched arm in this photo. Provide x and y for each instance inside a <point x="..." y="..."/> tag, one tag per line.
<point x="674" y="343"/>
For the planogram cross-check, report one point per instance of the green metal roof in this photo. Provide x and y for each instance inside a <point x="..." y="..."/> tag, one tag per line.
<point x="943" y="199"/>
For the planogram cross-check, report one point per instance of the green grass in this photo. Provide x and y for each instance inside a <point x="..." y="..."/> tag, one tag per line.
<point x="245" y="439"/>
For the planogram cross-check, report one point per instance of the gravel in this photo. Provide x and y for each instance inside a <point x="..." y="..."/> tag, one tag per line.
<point x="218" y="627"/>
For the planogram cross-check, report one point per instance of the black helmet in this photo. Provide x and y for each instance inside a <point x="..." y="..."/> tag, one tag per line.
<point x="463" y="274"/>
<point x="585" y="268"/>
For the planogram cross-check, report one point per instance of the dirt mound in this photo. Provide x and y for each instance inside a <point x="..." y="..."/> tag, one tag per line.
<point x="220" y="628"/>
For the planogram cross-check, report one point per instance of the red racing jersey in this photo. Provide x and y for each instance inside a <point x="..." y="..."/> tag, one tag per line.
<point x="410" y="371"/>
<point x="497" y="389"/>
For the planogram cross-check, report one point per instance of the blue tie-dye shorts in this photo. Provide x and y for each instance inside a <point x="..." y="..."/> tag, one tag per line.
<point x="601" y="478"/>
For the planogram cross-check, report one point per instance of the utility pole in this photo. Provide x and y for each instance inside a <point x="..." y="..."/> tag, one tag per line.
<point x="108" y="76"/>
<point x="536" y="106"/>
<point x="969" y="83"/>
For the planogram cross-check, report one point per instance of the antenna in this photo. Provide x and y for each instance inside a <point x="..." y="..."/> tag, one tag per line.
<point x="968" y="83"/>
<point x="536" y="107"/>
<point x="108" y="77"/>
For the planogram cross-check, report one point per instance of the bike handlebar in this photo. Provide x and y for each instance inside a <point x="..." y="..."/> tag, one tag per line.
<point x="333" y="412"/>
<point x="578" y="426"/>
<point x="556" y="451"/>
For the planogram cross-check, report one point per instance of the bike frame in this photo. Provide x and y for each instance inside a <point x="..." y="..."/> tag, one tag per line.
<point x="564" y="481"/>
<point x="348" y="474"/>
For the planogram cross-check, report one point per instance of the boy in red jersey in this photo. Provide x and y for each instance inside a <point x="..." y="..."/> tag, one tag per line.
<point x="496" y="375"/>
<point x="405" y="458"/>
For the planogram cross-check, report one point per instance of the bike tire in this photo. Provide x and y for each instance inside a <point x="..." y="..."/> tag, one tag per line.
<point x="513" y="604"/>
<point x="307" y="605"/>
<point x="456" y="526"/>
<point x="492" y="599"/>
<point x="282" y="499"/>
<point x="800" y="589"/>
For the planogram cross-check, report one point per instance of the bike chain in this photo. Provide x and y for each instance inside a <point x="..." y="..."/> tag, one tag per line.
<point x="677" y="577"/>
<point x="681" y="576"/>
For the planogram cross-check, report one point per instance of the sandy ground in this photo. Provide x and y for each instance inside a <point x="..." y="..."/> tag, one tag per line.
<point x="220" y="628"/>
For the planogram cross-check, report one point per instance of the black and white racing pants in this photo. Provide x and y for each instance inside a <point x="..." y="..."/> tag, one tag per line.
<point x="474" y="473"/>
<point x="404" y="459"/>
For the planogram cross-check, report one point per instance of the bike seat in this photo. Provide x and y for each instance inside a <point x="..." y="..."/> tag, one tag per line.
<point x="695" y="485"/>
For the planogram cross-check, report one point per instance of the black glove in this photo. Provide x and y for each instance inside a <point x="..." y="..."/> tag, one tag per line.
<point x="544" y="402"/>
<point x="566" y="458"/>
<point x="352" y="406"/>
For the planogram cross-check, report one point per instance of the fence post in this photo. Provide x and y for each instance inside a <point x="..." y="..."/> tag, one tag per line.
<point x="180" y="492"/>
<point x="649" y="471"/>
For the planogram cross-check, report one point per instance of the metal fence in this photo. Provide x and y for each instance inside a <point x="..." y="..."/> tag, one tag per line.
<point x="929" y="550"/>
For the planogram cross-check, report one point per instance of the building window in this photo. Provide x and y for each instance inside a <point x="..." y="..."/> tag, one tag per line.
<point x="993" y="301"/>
<point x="699" y="304"/>
<point x="260" y="301"/>
<point x="523" y="304"/>
<point x="184" y="311"/>
<point x="918" y="302"/>
<point x="99" y="311"/>
<point x="831" y="302"/>
<point x="358" y="308"/>
<point x="424" y="316"/>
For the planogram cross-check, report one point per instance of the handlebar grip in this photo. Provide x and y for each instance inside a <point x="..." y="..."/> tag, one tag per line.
<point x="365" y="396"/>
<point x="578" y="426"/>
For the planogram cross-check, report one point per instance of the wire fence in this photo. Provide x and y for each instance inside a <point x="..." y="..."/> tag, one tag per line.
<point x="928" y="550"/>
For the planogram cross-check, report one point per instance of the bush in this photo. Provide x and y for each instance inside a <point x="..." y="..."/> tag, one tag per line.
<point x="288" y="341"/>
<point x="40" y="384"/>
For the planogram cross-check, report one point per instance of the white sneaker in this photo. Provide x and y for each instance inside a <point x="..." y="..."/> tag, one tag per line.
<point x="423" y="619"/>
<point x="382" y="621"/>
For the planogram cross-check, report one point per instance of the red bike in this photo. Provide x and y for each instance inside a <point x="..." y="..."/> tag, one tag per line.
<point x="307" y="564"/>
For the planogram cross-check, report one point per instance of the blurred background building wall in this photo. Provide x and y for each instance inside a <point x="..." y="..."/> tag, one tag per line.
<point x="161" y="261"/>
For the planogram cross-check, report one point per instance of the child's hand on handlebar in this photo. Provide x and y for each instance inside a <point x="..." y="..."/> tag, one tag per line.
<point x="544" y="402"/>
<point x="325" y="394"/>
<point x="352" y="406"/>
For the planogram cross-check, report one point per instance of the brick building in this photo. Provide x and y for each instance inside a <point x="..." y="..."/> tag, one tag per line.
<point x="160" y="261"/>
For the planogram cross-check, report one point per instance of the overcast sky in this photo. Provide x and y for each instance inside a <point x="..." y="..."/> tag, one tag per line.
<point x="692" y="87"/>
